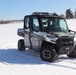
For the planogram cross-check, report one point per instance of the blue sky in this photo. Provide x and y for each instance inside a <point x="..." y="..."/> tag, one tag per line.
<point x="17" y="9"/>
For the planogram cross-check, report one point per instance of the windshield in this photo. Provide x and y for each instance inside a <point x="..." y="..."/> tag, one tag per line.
<point x="54" y="25"/>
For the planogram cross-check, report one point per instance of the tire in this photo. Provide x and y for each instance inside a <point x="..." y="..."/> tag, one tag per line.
<point x="47" y="53"/>
<point x="73" y="54"/>
<point x="21" y="45"/>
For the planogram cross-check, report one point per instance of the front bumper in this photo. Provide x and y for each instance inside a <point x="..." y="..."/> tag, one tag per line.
<point x="66" y="50"/>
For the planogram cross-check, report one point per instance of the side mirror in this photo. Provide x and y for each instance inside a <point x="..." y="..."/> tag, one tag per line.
<point x="73" y="32"/>
<point x="70" y="30"/>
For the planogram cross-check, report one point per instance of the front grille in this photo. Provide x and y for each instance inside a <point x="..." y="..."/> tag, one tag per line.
<point x="64" y="41"/>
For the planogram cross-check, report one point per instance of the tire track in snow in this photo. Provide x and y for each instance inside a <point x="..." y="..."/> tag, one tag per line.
<point x="28" y="54"/>
<point x="32" y="55"/>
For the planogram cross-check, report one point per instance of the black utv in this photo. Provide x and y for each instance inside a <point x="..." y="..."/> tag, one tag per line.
<point x="48" y="34"/>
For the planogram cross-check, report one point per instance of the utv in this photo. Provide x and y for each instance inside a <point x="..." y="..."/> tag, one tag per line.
<point x="48" y="34"/>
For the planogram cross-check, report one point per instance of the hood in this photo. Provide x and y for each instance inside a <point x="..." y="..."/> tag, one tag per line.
<point x="62" y="34"/>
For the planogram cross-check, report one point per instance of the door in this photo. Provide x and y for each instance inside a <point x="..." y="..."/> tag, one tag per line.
<point x="27" y="31"/>
<point x="34" y="35"/>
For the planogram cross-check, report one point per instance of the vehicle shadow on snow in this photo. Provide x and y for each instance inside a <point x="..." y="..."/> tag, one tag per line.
<point x="13" y="56"/>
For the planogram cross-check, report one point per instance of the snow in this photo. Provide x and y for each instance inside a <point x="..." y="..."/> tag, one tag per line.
<point x="72" y="24"/>
<point x="14" y="62"/>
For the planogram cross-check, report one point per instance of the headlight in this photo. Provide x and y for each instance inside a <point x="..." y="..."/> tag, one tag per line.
<point x="50" y="36"/>
<point x="54" y="39"/>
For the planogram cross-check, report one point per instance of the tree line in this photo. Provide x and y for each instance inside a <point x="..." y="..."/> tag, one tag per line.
<point x="10" y="21"/>
<point x="69" y="14"/>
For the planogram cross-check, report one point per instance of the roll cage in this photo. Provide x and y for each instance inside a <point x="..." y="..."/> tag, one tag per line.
<point x="41" y="28"/>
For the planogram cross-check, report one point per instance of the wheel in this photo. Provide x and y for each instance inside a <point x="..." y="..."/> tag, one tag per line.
<point x="72" y="55"/>
<point x="47" y="53"/>
<point x="21" y="45"/>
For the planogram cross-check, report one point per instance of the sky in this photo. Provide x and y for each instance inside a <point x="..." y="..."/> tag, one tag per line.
<point x="17" y="9"/>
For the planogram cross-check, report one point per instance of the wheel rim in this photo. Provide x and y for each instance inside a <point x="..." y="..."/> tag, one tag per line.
<point x="46" y="54"/>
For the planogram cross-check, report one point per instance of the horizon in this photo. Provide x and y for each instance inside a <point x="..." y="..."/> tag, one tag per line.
<point x="17" y="9"/>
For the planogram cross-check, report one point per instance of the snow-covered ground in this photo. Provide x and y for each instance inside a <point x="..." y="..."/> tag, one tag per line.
<point x="72" y="24"/>
<point x="14" y="62"/>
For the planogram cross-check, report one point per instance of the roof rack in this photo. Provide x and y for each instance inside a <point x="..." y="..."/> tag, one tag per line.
<point x="40" y="13"/>
<point x="45" y="13"/>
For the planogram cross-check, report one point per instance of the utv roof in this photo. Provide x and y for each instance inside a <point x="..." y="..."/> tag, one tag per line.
<point x="45" y="14"/>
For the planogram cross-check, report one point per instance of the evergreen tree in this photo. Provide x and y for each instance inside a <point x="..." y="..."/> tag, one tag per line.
<point x="69" y="14"/>
<point x="75" y="13"/>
